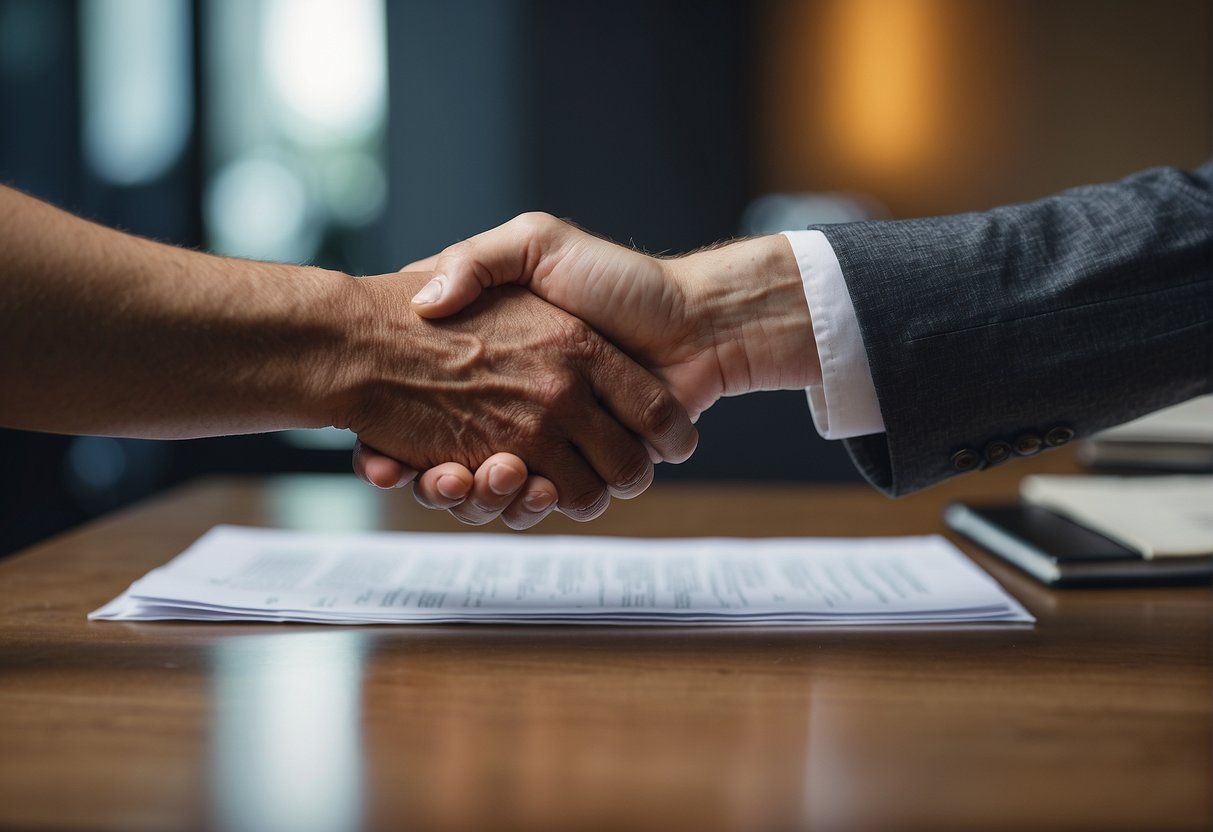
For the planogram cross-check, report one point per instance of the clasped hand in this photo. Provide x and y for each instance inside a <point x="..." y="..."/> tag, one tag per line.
<point x="580" y="377"/>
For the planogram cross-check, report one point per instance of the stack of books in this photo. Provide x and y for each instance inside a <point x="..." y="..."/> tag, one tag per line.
<point x="1179" y="438"/>
<point x="1093" y="530"/>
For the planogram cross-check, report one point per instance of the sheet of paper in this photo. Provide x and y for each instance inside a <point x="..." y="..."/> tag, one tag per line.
<point x="243" y="574"/>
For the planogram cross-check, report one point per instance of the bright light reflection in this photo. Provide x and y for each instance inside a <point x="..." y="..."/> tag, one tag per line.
<point x="333" y="503"/>
<point x="136" y="92"/>
<point x="326" y="61"/>
<point x="287" y="738"/>
<point x="259" y="208"/>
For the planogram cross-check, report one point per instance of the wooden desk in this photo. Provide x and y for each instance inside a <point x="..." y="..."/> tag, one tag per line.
<point x="1098" y="718"/>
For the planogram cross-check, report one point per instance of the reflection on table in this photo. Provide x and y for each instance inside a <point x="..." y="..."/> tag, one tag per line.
<point x="1099" y="717"/>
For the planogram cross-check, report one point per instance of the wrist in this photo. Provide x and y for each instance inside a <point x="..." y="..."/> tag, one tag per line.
<point x="327" y="363"/>
<point x="379" y="348"/>
<point x="752" y="297"/>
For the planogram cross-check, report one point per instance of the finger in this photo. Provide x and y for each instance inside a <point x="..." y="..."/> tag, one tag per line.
<point x="642" y="404"/>
<point x="424" y="265"/>
<point x="509" y="253"/>
<point x="617" y="456"/>
<point x="443" y="486"/>
<point x="497" y="482"/>
<point x="379" y="470"/>
<point x="582" y="493"/>
<point x="535" y="500"/>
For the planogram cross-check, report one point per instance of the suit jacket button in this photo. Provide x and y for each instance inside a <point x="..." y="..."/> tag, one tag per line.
<point x="997" y="452"/>
<point x="965" y="460"/>
<point x="1058" y="436"/>
<point x="1028" y="444"/>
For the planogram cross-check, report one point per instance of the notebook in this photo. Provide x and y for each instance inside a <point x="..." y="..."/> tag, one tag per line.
<point x="1086" y="530"/>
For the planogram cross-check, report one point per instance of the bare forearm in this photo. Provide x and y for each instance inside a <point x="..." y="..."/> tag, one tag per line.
<point x="102" y="332"/>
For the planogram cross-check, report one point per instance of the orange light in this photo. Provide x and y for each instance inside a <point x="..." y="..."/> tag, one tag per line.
<point x="883" y="81"/>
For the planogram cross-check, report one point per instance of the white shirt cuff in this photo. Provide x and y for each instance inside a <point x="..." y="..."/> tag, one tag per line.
<point x="844" y="404"/>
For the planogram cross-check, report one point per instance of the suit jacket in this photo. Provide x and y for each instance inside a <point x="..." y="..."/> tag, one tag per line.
<point x="1000" y="334"/>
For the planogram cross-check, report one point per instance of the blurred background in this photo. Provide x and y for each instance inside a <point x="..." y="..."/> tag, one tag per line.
<point x="363" y="134"/>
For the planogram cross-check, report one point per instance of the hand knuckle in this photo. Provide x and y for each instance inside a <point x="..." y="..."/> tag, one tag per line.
<point x="580" y="341"/>
<point x="535" y="222"/>
<point x="555" y="392"/>
<point x="659" y="413"/>
<point x="533" y="433"/>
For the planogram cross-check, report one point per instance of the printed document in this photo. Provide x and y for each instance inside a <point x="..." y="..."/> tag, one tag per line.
<point x="254" y="574"/>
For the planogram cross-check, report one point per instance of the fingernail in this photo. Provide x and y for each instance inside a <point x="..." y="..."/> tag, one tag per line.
<point x="503" y="480"/>
<point x="451" y="487"/>
<point x="537" y="501"/>
<point x="432" y="291"/>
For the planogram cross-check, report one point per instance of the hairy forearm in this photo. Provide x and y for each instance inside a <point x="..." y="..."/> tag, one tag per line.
<point x="752" y="294"/>
<point x="103" y="332"/>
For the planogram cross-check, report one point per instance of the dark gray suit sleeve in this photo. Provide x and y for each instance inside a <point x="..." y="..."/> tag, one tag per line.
<point x="1029" y="325"/>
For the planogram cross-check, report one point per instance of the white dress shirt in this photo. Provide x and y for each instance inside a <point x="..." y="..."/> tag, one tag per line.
<point x="844" y="404"/>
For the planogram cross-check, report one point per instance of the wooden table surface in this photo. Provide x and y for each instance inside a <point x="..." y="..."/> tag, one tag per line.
<point x="1097" y="718"/>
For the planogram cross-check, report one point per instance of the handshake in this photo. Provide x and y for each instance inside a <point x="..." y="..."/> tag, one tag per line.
<point x="538" y="367"/>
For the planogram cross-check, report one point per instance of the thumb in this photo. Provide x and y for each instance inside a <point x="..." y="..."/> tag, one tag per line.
<point x="446" y="294"/>
<point x="380" y="470"/>
<point x="509" y="253"/>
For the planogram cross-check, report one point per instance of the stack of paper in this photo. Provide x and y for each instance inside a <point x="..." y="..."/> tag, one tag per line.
<point x="246" y="574"/>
